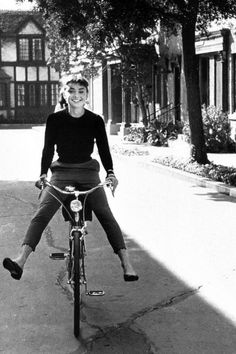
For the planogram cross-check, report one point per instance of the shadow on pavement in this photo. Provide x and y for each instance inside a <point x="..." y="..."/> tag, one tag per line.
<point x="218" y="197"/>
<point x="169" y="316"/>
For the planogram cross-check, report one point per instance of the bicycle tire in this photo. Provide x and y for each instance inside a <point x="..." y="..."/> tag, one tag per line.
<point x="77" y="254"/>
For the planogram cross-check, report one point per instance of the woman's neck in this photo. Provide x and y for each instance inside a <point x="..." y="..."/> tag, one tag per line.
<point x="76" y="113"/>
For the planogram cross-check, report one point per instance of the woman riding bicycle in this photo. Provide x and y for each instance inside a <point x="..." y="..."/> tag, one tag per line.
<point x="73" y="131"/>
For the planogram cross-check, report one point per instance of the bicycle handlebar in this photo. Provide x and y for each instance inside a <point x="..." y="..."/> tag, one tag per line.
<point x="76" y="192"/>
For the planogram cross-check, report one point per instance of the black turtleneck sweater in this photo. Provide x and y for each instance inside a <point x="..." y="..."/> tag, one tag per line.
<point x="74" y="139"/>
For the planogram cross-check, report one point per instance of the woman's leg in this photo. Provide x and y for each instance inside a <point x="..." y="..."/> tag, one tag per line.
<point x="99" y="204"/>
<point x="47" y="208"/>
<point x="97" y="201"/>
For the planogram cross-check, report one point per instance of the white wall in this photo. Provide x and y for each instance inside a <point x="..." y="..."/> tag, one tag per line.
<point x="95" y="94"/>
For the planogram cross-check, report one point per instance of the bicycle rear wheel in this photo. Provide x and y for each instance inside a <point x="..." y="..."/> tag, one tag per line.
<point x="77" y="277"/>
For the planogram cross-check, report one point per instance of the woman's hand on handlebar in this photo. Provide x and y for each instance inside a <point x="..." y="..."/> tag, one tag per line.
<point x="40" y="183"/>
<point x="111" y="178"/>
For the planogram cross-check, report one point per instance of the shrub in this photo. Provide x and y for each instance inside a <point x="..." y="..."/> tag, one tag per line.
<point x="157" y="133"/>
<point x="216" y="129"/>
<point x="136" y="134"/>
<point x="212" y="171"/>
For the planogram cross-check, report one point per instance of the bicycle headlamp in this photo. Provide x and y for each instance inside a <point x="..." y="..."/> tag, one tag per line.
<point x="76" y="205"/>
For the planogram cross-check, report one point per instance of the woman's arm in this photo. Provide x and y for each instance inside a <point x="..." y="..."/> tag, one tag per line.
<point x="49" y="146"/>
<point x="103" y="146"/>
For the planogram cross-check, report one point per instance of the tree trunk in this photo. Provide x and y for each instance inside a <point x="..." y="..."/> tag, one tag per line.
<point x="190" y="63"/>
<point x="142" y="105"/>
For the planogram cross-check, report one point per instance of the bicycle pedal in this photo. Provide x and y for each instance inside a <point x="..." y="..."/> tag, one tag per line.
<point x="57" y="256"/>
<point x="95" y="293"/>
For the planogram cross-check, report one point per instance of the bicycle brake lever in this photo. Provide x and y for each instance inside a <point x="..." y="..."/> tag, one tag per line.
<point x="111" y="188"/>
<point x="40" y="185"/>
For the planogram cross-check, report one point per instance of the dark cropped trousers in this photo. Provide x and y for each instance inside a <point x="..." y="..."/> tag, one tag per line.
<point x="86" y="175"/>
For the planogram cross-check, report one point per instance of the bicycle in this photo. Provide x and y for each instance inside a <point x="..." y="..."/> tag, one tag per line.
<point x="75" y="258"/>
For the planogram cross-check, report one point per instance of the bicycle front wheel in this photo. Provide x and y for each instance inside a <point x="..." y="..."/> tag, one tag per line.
<point x="78" y="256"/>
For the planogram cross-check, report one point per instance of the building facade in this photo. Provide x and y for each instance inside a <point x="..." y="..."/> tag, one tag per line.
<point x="217" y="70"/>
<point x="28" y="86"/>
<point x="217" y="79"/>
<point x="161" y="91"/>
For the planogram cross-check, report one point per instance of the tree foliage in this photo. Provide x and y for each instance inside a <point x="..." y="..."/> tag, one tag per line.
<point x="101" y="28"/>
<point x="88" y="31"/>
<point x="122" y="28"/>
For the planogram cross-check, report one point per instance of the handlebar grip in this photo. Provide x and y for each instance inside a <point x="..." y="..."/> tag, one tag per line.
<point x="39" y="184"/>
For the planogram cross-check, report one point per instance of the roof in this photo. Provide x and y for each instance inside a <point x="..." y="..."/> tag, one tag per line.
<point x="11" y="21"/>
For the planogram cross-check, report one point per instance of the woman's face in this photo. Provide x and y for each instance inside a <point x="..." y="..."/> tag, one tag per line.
<point x="75" y="95"/>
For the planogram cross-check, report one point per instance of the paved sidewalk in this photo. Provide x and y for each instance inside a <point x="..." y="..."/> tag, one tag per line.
<point x="179" y="150"/>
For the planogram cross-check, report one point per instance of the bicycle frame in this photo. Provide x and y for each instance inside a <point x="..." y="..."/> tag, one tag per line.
<point x="77" y="224"/>
<point x="75" y="263"/>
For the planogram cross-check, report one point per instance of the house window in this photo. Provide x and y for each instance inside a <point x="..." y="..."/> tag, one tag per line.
<point x="2" y="95"/>
<point x="32" y="95"/>
<point x="37" y="53"/>
<point x="23" y="49"/>
<point x="43" y="94"/>
<point x="54" y="94"/>
<point x="30" y="49"/>
<point x="35" y="94"/>
<point x="20" y="95"/>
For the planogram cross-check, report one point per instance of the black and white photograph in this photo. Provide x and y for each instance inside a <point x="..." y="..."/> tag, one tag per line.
<point x="118" y="176"/>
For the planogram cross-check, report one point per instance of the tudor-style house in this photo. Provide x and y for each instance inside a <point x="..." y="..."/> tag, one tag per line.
<point x="28" y="86"/>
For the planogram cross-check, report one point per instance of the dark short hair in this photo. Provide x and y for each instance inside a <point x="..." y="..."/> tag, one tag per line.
<point x="80" y="81"/>
<point x="62" y="101"/>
